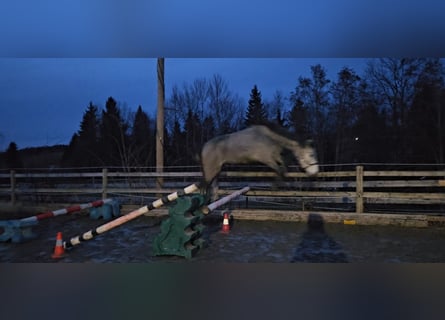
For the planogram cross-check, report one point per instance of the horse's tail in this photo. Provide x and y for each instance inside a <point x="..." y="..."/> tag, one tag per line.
<point x="197" y="157"/>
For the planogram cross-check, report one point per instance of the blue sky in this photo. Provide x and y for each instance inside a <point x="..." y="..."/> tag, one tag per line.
<point x="58" y="55"/>
<point x="42" y="100"/>
<point x="221" y="28"/>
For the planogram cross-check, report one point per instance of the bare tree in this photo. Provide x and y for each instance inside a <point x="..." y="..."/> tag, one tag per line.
<point x="392" y="81"/>
<point x="276" y="108"/>
<point x="194" y="98"/>
<point x="223" y="105"/>
<point x="207" y="99"/>
<point x="175" y="107"/>
<point x="312" y="95"/>
<point x="343" y="112"/>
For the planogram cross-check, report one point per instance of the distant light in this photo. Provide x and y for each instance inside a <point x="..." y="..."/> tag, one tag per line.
<point x="356" y="138"/>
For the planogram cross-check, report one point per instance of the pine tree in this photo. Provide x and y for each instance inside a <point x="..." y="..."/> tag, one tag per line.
<point x="83" y="147"/>
<point x="88" y="137"/>
<point x="297" y="119"/>
<point x="425" y="125"/>
<point x="71" y="156"/>
<point x="343" y="113"/>
<point x="142" y="140"/>
<point x="13" y="160"/>
<point x="256" y="113"/>
<point x="90" y="124"/>
<point x="113" y="135"/>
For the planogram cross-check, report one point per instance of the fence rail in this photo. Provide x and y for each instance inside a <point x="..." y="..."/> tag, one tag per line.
<point x="356" y="190"/>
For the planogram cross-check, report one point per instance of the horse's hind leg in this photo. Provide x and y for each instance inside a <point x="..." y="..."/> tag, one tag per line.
<point x="204" y="189"/>
<point x="209" y="189"/>
<point x="213" y="190"/>
<point x="210" y="172"/>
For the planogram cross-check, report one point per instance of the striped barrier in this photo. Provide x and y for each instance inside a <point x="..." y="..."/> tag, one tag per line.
<point x="20" y="230"/>
<point x="129" y="216"/>
<point x="68" y="210"/>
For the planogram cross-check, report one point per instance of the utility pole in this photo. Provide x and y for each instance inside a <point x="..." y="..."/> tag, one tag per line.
<point x="160" y="123"/>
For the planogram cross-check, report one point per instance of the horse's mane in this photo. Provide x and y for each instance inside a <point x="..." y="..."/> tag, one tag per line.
<point x="278" y="129"/>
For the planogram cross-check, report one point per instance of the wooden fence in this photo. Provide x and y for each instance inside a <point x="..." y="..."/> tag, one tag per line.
<point x="357" y="190"/>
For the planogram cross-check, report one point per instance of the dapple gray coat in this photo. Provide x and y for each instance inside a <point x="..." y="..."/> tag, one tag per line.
<point x="255" y="144"/>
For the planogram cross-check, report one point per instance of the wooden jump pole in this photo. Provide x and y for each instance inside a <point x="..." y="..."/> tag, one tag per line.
<point x="129" y="216"/>
<point x="160" y="123"/>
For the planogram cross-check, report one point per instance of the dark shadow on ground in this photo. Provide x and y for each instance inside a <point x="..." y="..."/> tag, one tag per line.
<point x="316" y="245"/>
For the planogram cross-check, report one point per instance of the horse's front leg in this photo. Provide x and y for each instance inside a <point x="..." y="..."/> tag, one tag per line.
<point x="278" y="166"/>
<point x="281" y="170"/>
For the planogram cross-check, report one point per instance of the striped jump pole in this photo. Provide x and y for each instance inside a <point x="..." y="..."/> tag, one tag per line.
<point x="71" y="209"/>
<point x="129" y="216"/>
<point x="20" y="230"/>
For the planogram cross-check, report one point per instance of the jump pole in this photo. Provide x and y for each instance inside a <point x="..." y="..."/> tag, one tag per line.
<point x="129" y="216"/>
<point x="20" y="230"/>
<point x="224" y="200"/>
<point x="71" y="209"/>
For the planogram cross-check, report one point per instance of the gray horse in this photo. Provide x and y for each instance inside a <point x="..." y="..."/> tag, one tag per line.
<point x="257" y="143"/>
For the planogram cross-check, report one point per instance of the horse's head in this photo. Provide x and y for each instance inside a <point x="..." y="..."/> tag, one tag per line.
<point x="307" y="158"/>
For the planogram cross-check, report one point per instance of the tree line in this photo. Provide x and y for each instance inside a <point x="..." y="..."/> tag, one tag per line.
<point x="393" y="113"/>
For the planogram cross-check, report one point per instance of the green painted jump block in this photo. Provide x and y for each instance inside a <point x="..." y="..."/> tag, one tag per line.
<point x="17" y="231"/>
<point x="181" y="233"/>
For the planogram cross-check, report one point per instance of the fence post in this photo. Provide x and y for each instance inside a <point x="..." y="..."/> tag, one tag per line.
<point x="104" y="183"/>
<point x="13" y="186"/>
<point x="359" y="189"/>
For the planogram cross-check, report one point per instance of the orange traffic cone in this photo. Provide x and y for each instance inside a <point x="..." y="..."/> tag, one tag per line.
<point x="225" y="226"/>
<point x="59" y="250"/>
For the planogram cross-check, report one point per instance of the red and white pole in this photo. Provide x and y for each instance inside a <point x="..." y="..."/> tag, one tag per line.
<point x="68" y="210"/>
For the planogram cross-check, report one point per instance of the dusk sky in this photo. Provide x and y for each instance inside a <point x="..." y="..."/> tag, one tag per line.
<point x="57" y="56"/>
<point x="43" y="100"/>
